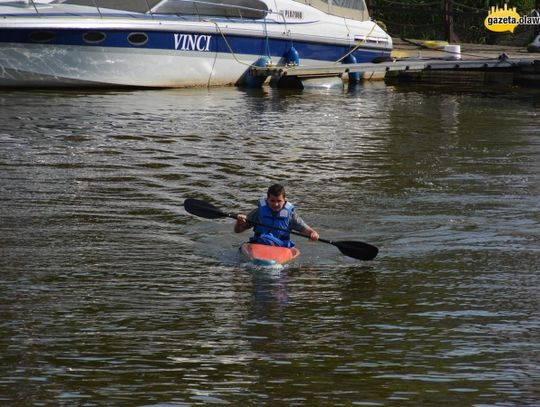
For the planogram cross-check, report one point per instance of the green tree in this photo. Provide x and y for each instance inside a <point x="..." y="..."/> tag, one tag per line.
<point x="425" y="19"/>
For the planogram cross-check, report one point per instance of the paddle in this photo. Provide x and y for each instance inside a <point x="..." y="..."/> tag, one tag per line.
<point x="356" y="250"/>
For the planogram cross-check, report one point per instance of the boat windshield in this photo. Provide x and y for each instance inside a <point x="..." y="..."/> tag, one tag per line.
<point x="354" y="9"/>
<point x="255" y="9"/>
<point x="223" y="8"/>
<point x="138" y="6"/>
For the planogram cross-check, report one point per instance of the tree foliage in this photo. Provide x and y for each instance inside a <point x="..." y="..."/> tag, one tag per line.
<point x="425" y="19"/>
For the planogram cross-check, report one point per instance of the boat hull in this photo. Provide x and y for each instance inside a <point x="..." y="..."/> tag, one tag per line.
<point x="60" y="65"/>
<point x="264" y="255"/>
<point x="27" y="65"/>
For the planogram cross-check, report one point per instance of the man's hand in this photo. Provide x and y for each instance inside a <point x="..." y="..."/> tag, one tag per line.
<point x="312" y="233"/>
<point x="241" y="223"/>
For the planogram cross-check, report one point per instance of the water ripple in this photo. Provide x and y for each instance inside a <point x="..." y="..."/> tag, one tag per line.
<point x="111" y="294"/>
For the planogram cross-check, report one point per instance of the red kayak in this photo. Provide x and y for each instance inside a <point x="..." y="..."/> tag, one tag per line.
<point x="264" y="255"/>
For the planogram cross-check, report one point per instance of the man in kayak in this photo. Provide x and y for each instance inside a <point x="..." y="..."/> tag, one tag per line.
<point x="277" y="212"/>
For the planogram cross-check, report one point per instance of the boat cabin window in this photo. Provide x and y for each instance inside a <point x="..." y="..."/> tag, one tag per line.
<point x="137" y="38"/>
<point x="94" y="37"/>
<point x="42" y="36"/>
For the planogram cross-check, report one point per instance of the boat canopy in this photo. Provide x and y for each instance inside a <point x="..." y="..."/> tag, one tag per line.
<point x="255" y="9"/>
<point x="353" y="9"/>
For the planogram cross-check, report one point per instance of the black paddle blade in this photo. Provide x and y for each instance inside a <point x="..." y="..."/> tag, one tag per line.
<point x="357" y="250"/>
<point x="203" y="209"/>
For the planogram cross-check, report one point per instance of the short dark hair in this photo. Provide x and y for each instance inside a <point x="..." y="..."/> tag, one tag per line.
<point x="276" y="190"/>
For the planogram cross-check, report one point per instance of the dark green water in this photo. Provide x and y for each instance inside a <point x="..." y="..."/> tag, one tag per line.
<point x="112" y="295"/>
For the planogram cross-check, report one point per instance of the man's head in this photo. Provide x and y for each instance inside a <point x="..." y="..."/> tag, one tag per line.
<point x="276" y="197"/>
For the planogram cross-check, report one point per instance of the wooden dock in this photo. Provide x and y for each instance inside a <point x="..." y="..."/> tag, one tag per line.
<point x="478" y="64"/>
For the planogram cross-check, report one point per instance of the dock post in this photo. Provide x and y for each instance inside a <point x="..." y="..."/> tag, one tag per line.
<point x="448" y="19"/>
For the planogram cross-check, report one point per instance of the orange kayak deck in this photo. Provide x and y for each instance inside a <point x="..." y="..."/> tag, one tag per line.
<point x="264" y="255"/>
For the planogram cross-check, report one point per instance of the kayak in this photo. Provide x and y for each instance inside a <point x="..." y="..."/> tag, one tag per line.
<point x="264" y="255"/>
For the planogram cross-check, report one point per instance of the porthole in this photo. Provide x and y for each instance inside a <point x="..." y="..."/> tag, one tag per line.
<point x="42" y="36"/>
<point x="137" y="38"/>
<point x="94" y="37"/>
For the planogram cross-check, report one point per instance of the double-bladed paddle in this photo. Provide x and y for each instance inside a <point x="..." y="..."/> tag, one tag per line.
<point x="356" y="250"/>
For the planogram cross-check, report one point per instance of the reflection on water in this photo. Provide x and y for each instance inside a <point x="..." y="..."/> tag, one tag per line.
<point x="111" y="294"/>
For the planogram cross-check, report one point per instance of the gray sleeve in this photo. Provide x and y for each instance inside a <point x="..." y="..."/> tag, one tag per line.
<point x="297" y="223"/>
<point x="253" y="216"/>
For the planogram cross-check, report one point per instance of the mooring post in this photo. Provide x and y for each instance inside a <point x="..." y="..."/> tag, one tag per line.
<point x="448" y="21"/>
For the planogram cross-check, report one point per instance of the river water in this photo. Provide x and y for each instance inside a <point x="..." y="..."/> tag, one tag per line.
<point x="112" y="295"/>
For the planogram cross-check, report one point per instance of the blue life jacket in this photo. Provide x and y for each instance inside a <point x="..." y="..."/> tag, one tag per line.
<point x="281" y="220"/>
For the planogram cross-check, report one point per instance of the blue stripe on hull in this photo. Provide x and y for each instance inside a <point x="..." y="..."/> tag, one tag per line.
<point x="186" y="41"/>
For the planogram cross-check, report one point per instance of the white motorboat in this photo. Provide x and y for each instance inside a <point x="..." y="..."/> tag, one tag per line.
<point x="177" y="43"/>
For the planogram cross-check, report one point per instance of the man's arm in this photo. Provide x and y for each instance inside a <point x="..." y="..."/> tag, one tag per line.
<point x="298" y="224"/>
